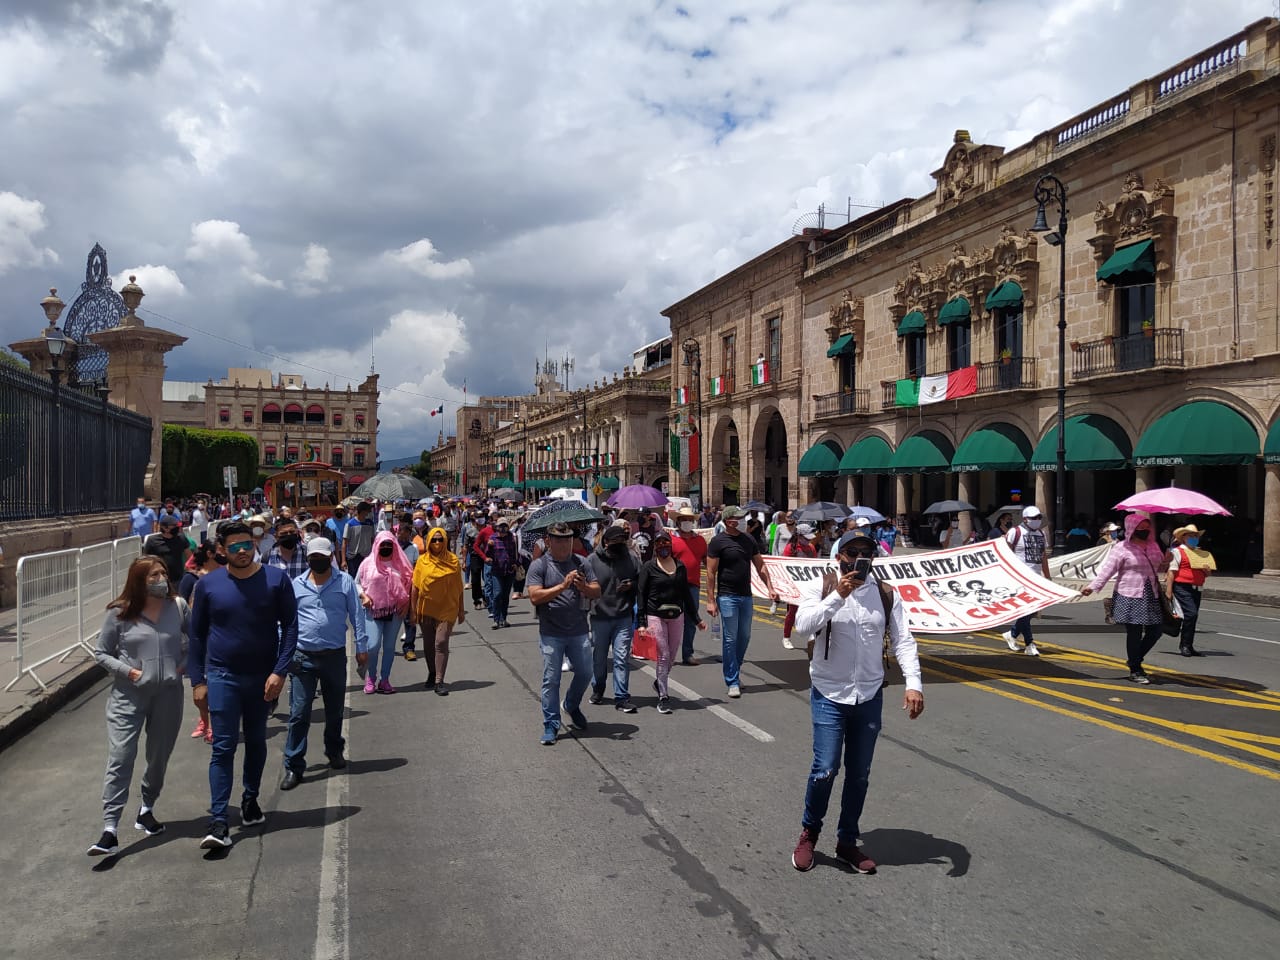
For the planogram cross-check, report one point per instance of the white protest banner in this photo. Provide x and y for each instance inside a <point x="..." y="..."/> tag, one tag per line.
<point x="958" y="590"/>
<point x="1075" y="571"/>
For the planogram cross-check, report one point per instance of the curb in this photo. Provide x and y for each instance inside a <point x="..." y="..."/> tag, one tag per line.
<point x="1242" y="596"/>
<point x="26" y="720"/>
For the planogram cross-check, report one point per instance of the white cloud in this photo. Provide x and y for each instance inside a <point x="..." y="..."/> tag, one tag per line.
<point x="313" y="275"/>
<point x="158" y="282"/>
<point x="20" y="221"/>
<point x="209" y="138"/>
<point x="221" y="242"/>
<point x="420" y="257"/>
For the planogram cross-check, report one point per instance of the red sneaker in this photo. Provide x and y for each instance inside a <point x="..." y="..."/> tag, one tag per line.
<point x="802" y="857"/>
<point x="855" y="857"/>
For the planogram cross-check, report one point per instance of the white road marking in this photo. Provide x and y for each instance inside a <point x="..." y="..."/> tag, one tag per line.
<point x="333" y="928"/>
<point x="1238" y="637"/>
<point x="728" y="717"/>
<point x="1251" y="616"/>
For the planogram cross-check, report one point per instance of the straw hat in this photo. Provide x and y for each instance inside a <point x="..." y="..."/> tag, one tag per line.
<point x="1189" y="530"/>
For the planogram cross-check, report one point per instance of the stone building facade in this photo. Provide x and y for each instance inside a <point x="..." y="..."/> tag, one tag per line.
<point x="1172" y="339"/>
<point x="290" y="420"/>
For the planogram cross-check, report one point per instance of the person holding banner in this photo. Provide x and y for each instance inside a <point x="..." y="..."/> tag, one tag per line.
<point x="730" y="557"/>
<point x="1028" y="543"/>
<point x="800" y="545"/>
<point x="851" y="614"/>
<point x="1135" y="564"/>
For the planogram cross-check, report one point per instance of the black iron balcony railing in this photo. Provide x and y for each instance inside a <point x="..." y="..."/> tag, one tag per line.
<point x="1159" y="347"/>
<point x="842" y="403"/>
<point x="997" y="376"/>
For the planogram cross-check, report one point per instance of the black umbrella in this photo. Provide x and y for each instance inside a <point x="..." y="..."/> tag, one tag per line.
<point x="391" y="486"/>
<point x="949" y="506"/>
<point x="506" y="493"/>
<point x="822" y="510"/>
<point x="759" y="506"/>
<point x="561" y="511"/>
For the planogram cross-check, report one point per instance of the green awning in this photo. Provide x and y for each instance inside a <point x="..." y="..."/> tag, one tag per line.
<point x="821" y="460"/>
<point x="997" y="446"/>
<point x="608" y="483"/>
<point x="1202" y="433"/>
<point x="913" y="322"/>
<point x="926" y="452"/>
<point x="1271" y="449"/>
<point x="868" y="455"/>
<point x="955" y="310"/>
<point x="842" y="346"/>
<point x="1094" y="442"/>
<point x="1008" y="294"/>
<point x="553" y="483"/>
<point x="1135" y="263"/>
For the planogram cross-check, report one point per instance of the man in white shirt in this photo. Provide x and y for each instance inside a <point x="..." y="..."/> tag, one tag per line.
<point x="1028" y="541"/>
<point x="199" y="523"/>
<point x="846" y="673"/>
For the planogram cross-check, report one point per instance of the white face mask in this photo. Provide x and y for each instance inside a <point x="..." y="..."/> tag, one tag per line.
<point x="258" y="531"/>
<point x="686" y="526"/>
<point x="1034" y="524"/>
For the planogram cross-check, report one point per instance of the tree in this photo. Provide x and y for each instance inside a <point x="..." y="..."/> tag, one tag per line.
<point x="422" y="469"/>
<point x="192" y="459"/>
<point x="10" y="359"/>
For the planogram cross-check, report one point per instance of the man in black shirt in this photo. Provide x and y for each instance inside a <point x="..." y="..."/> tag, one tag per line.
<point x="730" y="557"/>
<point x="170" y="546"/>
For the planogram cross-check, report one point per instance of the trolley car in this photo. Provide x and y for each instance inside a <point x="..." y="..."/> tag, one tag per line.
<point x="311" y="486"/>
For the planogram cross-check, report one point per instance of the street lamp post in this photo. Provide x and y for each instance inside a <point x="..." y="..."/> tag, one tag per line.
<point x="57" y="344"/>
<point x="1049" y="189"/>
<point x="693" y="358"/>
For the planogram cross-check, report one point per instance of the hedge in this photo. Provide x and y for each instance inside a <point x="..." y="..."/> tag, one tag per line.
<point x="192" y="459"/>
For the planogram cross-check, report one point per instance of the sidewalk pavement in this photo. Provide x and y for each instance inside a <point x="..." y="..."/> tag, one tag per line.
<point x="26" y="705"/>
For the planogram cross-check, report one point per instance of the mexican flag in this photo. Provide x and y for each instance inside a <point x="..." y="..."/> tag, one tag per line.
<point x="937" y="387"/>
<point x="719" y="386"/>
<point x="760" y="372"/>
<point x="682" y="396"/>
<point x="684" y="453"/>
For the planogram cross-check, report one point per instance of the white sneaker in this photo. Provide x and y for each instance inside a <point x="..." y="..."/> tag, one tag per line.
<point x="1031" y="650"/>
<point x="773" y="607"/>
<point x="734" y="692"/>
<point x="1008" y="638"/>
<point x="787" y="644"/>
<point x="564" y="667"/>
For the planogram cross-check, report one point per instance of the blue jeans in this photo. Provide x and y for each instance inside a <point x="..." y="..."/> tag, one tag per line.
<point x="855" y="728"/>
<point x="690" y="627"/>
<point x="611" y="634"/>
<point x="735" y="634"/>
<point x="489" y="587"/>
<point x="554" y="650"/>
<point x="501" y="594"/>
<point x="382" y="637"/>
<point x="329" y="669"/>
<point x="1022" y="628"/>
<point x="235" y="703"/>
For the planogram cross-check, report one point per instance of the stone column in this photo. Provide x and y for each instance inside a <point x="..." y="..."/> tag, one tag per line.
<point x="1144" y="479"/>
<point x="1271" y="521"/>
<point x="969" y="494"/>
<point x="135" y="372"/>
<point x="901" y="506"/>
<point x="1044" y="500"/>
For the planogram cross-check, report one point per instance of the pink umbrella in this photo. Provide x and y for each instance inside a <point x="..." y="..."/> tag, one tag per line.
<point x="1172" y="499"/>
<point x="637" y="496"/>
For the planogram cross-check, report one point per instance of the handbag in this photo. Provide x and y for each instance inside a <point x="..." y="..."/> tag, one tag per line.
<point x="1109" y="609"/>
<point x="644" y="645"/>
<point x="1170" y="625"/>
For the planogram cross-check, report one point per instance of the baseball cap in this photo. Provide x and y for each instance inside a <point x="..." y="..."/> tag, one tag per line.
<point x="168" y="521"/>
<point x="1030" y="512"/>
<point x="805" y="530"/>
<point x="319" y="545"/>
<point x="731" y="513"/>
<point x="560" y="530"/>
<point x="616" y="534"/>
<point x="851" y="536"/>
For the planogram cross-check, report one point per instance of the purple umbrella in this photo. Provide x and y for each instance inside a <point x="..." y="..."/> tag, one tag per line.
<point x="637" y="496"/>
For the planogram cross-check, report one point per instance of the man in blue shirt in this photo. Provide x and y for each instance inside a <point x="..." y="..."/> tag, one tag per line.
<point x="244" y="628"/>
<point x="334" y="528"/>
<point x="143" y="519"/>
<point x="327" y="602"/>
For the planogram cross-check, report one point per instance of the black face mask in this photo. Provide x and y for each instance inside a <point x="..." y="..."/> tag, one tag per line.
<point x="616" y="549"/>
<point x="1141" y="534"/>
<point x="219" y="559"/>
<point x="384" y="552"/>
<point x="320" y="563"/>
<point x="289" y="541"/>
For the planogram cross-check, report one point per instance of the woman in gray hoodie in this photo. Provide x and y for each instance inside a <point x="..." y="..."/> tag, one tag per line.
<point x="143" y="645"/>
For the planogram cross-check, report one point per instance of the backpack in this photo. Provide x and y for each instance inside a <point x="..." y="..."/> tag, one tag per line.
<point x="829" y="580"/>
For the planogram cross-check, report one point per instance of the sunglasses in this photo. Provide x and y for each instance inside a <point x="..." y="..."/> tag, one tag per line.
<point x="240" y="547"/>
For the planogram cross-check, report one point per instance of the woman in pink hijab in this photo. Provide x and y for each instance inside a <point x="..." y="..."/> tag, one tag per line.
<point x="384" y="579"/>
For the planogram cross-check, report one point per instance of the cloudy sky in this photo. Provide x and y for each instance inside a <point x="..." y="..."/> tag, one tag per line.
<point x="466" y="186"/>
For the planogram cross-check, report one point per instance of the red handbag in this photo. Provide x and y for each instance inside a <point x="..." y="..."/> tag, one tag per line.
<point x="644" y="645"/>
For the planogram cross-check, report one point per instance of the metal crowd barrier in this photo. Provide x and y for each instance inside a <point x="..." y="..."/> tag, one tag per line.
<point x="62" y="599"/>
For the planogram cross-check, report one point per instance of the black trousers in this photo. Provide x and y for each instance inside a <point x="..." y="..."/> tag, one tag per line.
<point x="477" y="579"/>
<point x="1188" y="598"/>
<point x="1138" y="642"/>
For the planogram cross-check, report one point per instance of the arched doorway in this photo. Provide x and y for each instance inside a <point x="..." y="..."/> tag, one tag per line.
<point x="724" y="464"/>
<point x="769" y="453"/>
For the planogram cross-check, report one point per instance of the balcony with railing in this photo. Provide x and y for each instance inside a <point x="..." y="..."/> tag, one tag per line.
<point x="998" y="376"/>
<point x="841" y="404"/>
<point x="1159" y="348"/>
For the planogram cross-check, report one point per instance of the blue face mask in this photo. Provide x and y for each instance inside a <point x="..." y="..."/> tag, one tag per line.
<point x="1193" y="541"/>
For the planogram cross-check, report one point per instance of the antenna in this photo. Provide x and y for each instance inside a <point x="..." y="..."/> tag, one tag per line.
<point x="566" y="367"/>
<point x="372" y="340"/>
<point x="818" y="219"/>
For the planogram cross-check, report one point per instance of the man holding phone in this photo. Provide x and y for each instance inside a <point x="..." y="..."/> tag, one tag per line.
<point x="850" y="616"/>
<point x="612" y="616"/>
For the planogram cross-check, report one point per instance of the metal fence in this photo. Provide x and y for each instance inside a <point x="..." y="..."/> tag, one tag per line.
<point x="62" y="599"/>
<point x="64" y="452"/>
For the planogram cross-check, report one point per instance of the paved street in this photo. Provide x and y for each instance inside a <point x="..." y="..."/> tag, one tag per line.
<point x="1039" y="808"/>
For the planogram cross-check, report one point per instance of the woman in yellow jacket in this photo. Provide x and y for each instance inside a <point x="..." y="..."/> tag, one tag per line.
<point x="435" y="603"/>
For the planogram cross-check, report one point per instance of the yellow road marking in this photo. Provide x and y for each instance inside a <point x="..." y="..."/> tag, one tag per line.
<point x="1118" y="728"/>
<point x="1221" y="736"/>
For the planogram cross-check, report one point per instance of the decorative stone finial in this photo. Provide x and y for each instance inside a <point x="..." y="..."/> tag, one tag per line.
<point x="132" y="295"/>
<point x="962" y="136"/>
<point x="52" y="306"/>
